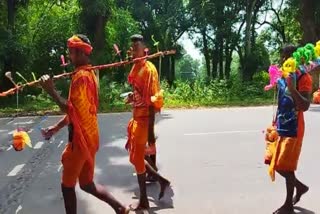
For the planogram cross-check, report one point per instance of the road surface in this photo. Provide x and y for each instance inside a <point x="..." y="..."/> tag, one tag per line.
<point x="213" y="157"/>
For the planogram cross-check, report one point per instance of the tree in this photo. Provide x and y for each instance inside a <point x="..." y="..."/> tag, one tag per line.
<point x="118" y="31"/>
<point x="165" y="20"/>
<point x="219" y="24"/>
<point x="94" y="16"/>
<point x="187" y="68"/>
<point x="246" y="54"/>
<point x="10" y="51"/>
<point x="309" y="21"/>
<point x="282" y="29"/>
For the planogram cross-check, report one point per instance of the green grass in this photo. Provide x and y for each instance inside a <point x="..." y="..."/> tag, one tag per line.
<point x="220" y="104"/>
<point x="36" y="108"/>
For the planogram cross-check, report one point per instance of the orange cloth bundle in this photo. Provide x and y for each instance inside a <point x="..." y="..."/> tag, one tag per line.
<point x="271" y="139"/>
<point x="316" y="97"/>
<point x="20" y="140"/>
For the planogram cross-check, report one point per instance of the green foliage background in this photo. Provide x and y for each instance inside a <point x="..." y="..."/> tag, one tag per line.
<point x="236" y="50"/>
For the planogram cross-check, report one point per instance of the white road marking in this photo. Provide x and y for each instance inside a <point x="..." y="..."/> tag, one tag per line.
<point x="10" y="147"/>
<point x="61" y="142"/>
<point x="16" y="170"/>
<point x="3" y="130"/>
<point x="11" y="133"/>
<point x="223" y="132"/>
<point x="9" y="122"/>
<point x="18" y="209"/>
<point x="60" y="167"/>
<point x="30" y="130"/>
<point x="38" y="145"/>
<point x="24" y="123"/>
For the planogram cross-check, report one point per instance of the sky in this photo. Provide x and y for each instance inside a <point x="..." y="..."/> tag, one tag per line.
<point x="189" y="47"/>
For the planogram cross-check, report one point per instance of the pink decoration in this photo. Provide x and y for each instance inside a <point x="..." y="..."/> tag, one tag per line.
<point x="116" y="49"/>
<point x="63" y="61"/>
<point x="274" y="74"/>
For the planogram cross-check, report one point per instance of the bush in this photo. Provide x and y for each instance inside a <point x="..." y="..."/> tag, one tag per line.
<point x="109" y="95"/>
<point x="181" y="94"/>
<point x="218" y="92"/>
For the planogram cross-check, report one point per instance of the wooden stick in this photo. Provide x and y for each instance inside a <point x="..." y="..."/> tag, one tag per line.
<point x="98" y="67"/>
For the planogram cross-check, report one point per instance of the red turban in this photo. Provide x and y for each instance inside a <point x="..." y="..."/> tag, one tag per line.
<point x="76" y="42"/>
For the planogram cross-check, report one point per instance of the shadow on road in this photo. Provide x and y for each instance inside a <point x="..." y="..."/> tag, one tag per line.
<point x="303" y="211"/>
<point x="153" y="192"/>
<point x="113" y="168"/>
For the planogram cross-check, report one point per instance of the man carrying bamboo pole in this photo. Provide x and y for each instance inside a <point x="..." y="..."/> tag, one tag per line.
<point x="78" y="158"/>
<point x="147" y="99"/>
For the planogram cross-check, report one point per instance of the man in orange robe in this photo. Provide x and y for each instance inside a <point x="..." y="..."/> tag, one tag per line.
<point x="78" y="158"/>
<point x="146" y="94"/>
<point x="294" y="95"/>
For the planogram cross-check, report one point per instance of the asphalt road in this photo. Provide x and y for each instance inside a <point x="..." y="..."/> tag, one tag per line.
<point x="213" y="157"/>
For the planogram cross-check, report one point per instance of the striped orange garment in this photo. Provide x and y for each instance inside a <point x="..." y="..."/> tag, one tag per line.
<point x="82" y="110"/>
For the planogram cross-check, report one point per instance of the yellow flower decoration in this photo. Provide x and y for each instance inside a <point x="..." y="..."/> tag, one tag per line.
<point x="289" y="66"/>
<point x="317" y="49"/>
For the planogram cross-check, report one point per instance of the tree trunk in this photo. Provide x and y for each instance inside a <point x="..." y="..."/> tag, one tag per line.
<point x="248" y="45"/>
<point x="166" y="70"/>
<point x="249" y="16"/>
<point x="227" y="66"/>
<point x="214" y="61"/>
<point x="206" y="53"/>
<point x="307" y="21"/>
<point x="99" y="38"/>
<point x="8" y="59"/>
<point x="10" y="6"/>
<point x="221" y="75"/>
<point x="241" y="62"/>
<point x="173" y="68"/>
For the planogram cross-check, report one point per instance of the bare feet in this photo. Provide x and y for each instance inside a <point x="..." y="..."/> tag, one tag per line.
<point x="163" y="186"/>
<point x="284" y="210"/>
<point x="140" y="206"/>
<point x="301" y="190"/>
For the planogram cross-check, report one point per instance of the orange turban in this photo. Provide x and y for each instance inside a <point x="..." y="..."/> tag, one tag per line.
<point x="77" y="42"/>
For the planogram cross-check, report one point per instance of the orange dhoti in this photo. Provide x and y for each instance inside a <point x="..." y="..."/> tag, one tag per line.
<point x="285" y="156"/>
<point x="137" y="141"/>
<point x="77" y="166"/>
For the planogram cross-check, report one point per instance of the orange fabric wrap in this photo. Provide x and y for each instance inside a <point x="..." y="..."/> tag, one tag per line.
<point x="78" y="157"/>
<point x="144" y="77"/>
<point x="137" y="140"/>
